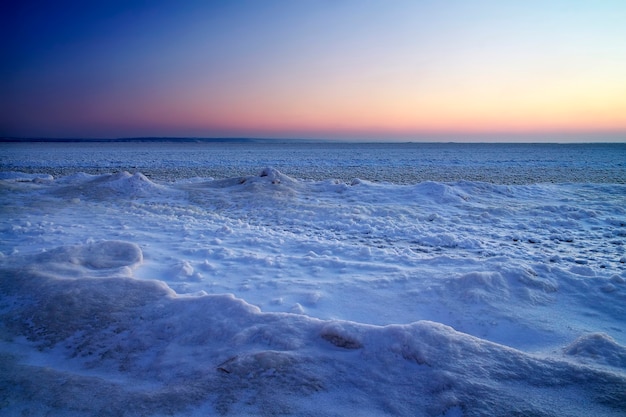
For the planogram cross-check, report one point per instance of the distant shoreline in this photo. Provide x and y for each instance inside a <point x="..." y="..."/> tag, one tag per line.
<point x="137" y="139"/>
<point x="251" y="140"/>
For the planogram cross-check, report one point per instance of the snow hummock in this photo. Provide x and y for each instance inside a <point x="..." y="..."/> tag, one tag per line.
<point x="265" y="295"/>
<point x="598" y="347"/>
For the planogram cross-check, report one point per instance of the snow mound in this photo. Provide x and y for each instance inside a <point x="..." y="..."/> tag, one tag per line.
<point x="124" y="183"/>
<point x="275" y="176"/>
<point x="491" y="287"/>
<point x="440" y="193"/>
<point x="121" y="184"/>
<point x="268" y="176"/>
<point x="23" y="177"/>
<point x="480" y="286"/>
<point x="76" y="178"/>
<point x="142" y="344"/>
<point x="600" y="348"/>
<point x="268" y="179"/>
<point x="104" y="255"/>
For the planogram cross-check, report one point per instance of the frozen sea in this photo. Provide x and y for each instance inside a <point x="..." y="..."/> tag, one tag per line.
<point x="321" y="279"/>
<point x="399" y="163"/>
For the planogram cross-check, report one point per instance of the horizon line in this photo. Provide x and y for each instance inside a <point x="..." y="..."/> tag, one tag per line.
<point x="245" y="139"/>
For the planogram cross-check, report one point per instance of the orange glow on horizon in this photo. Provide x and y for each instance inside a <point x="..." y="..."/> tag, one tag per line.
<point x="386" y="71"/>
<point x="396" y="117"/>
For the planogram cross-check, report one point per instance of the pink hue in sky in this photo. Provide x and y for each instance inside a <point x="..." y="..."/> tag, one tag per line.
<point x="372" y="70"/>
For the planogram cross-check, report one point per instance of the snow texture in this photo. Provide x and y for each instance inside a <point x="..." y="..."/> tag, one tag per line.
<point x="268" y="295"/>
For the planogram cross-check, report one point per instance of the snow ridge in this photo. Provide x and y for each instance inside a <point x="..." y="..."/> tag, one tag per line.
<point x="140" y="342"/>
<point x="266" y="294"/>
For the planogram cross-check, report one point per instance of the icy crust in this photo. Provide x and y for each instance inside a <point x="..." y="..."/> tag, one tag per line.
<point x="94" y="256"/>
<point x="117" y="284"/>
<point x="146" y="350"/>
<point x="113" y="185"/>
<point x="257" y="183"/>
<point x="445" y="252"/>
<point x="599" y="348"/>
<point x="14" y="176"/>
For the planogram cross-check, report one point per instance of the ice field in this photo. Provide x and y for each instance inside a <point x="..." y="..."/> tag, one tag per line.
<point x="276" y="294"/>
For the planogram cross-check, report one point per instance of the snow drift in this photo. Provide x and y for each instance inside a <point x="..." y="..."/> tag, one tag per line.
<point x="151" y="350"/>
<point x="265" y="295"/>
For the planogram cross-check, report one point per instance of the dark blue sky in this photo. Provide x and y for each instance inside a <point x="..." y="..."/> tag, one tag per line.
<point x="381" y="70"/>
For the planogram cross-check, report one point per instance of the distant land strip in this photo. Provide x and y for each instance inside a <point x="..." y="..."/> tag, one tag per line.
<point x="167" y="139"/>
<point x="138" y="139"/>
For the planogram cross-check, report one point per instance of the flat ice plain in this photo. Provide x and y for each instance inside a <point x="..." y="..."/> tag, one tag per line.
<point x="273" y="294"/>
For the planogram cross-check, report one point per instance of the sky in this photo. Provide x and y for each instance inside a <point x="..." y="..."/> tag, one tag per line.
<point x="351" y="70"/>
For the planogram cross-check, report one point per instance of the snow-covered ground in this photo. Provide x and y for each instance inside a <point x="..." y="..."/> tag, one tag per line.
<point x="268" y="295"/>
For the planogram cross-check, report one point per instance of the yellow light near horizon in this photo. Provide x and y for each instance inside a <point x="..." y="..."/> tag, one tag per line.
<point x="400" y="106"/>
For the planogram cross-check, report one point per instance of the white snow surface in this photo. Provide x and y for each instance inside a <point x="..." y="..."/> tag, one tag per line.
<point x="268" y="295"/>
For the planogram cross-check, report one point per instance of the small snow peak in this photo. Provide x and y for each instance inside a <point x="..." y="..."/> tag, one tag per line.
<point x="598" y="347"/>
<point x="275" y="176"/>
<point x="106" y="255"/>
<point x="270" y="172"/>
<point x="340" y="336"/>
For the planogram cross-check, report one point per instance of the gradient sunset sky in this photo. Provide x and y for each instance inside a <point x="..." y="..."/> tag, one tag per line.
<point x="352" y="70"/>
